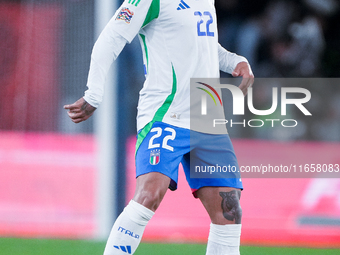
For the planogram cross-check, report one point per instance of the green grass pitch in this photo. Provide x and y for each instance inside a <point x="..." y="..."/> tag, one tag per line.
<point x="13" y="246"/>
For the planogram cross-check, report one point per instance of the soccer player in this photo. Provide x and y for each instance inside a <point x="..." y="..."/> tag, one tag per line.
<point x="179" y="41"/>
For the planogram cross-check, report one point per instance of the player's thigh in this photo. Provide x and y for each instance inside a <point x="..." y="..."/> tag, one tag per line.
<point x="222" y="204"/>
<point x="160" y="149"/>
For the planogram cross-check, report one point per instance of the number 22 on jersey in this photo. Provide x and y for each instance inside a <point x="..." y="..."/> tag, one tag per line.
<point x="203" y="23"/>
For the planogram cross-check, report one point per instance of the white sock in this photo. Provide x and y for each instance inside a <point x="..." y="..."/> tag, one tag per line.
<point x="224" y="239"/>
<point x="128" y="229"/>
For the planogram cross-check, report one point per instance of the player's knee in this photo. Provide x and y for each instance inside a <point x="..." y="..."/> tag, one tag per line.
<point x="233" y="214"/>
<point x="149" y="199"/>
<point x="238" y="213"/>
<point x="231" y="207"/>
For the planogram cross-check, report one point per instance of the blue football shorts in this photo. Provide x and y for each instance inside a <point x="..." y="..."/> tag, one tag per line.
<point x="208" y="160"/>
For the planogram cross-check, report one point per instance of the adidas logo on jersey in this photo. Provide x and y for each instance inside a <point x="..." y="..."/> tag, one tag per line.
<point x="126" y="249"/>
<point x="182" y="6"/>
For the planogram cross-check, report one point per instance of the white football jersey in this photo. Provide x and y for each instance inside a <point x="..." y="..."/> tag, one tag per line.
<point x="179" y="41"/>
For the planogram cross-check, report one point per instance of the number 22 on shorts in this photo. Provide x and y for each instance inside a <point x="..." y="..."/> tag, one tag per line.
<point x="158" y="132"/>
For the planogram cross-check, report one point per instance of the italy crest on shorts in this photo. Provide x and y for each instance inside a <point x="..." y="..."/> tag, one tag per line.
<point x="155" y="157"/>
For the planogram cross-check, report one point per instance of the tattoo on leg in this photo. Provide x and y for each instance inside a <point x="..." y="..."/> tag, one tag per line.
<point x="231" y="205"/>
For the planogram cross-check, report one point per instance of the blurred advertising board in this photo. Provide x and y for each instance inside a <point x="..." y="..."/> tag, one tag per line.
<point x="29" y="65"/>
<point x="47" y="185"/>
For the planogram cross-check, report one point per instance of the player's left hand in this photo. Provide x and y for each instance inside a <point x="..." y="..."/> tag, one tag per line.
<point x="80" y="110"/>
<point x="243" y="69"/>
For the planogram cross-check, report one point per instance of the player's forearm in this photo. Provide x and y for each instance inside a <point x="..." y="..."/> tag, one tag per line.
<point x="228" y="60"/>
<point x="105" y="51"/>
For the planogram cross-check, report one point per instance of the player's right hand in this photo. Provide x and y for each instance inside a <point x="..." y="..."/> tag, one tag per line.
<point x="243" y="69"/>
<point x="80" y="110"/>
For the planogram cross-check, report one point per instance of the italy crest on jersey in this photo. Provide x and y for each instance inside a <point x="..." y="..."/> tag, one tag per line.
<point x="155" y="157"/>
<point x="125" y="14"/>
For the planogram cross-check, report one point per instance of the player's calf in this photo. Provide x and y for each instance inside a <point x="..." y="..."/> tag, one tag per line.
<point x="128" y="229"/>
<point x="224" y="239"/>
<point x="223" y="207"/>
